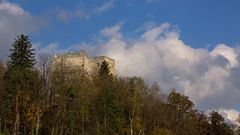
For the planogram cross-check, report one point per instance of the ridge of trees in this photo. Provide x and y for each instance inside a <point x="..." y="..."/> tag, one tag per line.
<point x="36" y="99"/>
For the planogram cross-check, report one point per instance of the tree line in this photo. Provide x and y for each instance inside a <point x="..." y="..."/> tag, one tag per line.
<point x="39" y="99"/>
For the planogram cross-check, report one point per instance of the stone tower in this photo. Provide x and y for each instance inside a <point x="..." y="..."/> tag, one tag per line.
<point x="82" y="60"/>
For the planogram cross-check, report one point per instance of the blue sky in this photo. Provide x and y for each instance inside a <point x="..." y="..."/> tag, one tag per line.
<point x="202" y="23"/>
<point x="192" y="46"/>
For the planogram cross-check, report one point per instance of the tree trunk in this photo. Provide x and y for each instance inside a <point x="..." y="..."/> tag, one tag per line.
<point x="83" y="124"/>
<point x="132" y="118"/>
<point x="61" y="130"/>
<point x="0" y="125"/>
<point x="50" y="97"/>
<point x="131" y="126"/>
<point x="32" y="130"/>
<point x="105" y="114"/>
<point x="38" y="121"/>
<point x="97" y="126"/>
<point x="140" y="132"/>
<point x="52" y="132"/>
<point x="17" y="116"/>
<point x="5" y="127"/>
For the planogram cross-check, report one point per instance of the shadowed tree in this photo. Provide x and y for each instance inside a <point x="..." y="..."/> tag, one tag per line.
<point x="22" y="54"/>
<point x="19" y="82"/>
<point x="154" y="121"/>
<point x="218" y="125"/>
<point x="2" y="92"/>
<point x="180" y="109"/>
<point x="135" y="104"/>
<point x="104" y="71"/>
<point x="110" y="113"/>
<point x="2" y="70"/>
<point x="238" y="126"/>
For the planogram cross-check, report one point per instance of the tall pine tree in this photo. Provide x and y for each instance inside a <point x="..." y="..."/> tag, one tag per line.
<point x="22" y="54"/>
<point x="19" y="82"/>
<point x="110" y="114"/>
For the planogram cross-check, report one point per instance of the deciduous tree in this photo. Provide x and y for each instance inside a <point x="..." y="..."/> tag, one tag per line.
<point x="218" y="125"/>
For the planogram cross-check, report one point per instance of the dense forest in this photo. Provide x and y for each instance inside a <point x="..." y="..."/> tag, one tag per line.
<point x="39" y="99"/>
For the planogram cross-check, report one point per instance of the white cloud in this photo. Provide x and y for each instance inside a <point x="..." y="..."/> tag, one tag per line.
<point x="209" y="78"/>
<point x="227" y="52"/>
<point x="13" y="9"/>
<point x="107" y="5"/>
<point x="112" y="32"/>
<point x="53" y="48"/>
<point x="66" y="16"/>
<point x="14" y="21"/>
<point x="230" y="114"/>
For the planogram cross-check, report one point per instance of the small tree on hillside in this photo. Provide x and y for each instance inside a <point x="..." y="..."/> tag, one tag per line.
<point x="104" y="71"/>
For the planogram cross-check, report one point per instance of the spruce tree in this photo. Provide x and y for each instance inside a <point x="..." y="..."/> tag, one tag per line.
<point x="22" y="53"/>
<point x="104" y="71"/>
<point x="110" y="113"/>
<point x="20" y="83"/>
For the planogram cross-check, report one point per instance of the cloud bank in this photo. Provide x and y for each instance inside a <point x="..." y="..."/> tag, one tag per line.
<point x="230" y="115"/>
<point x="209" y="78"/>
<point x="14" y="21"/>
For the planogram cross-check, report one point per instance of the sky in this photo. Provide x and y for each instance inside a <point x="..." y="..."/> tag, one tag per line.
<point x="189" y="45"/>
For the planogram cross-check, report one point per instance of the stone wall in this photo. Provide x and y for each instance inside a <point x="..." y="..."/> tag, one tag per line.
<point x="81" y="60"/>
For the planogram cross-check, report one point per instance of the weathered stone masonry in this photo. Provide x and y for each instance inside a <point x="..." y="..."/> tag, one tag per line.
<point x="82" y="60"/>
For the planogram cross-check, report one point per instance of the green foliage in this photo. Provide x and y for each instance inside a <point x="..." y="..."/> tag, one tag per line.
<point x="22" y="54"/>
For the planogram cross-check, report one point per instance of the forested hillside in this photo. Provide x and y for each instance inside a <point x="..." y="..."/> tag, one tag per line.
<point x="39" y="99"/>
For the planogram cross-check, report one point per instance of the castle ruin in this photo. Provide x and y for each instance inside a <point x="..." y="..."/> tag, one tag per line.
<point x="81" y="60"/>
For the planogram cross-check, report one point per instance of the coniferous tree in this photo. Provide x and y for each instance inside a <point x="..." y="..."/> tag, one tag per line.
<point x="20" y="83"/>
<point x="110" y="113"/>
<point x="22" y="53"/>
<point x="104" y="71"/>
